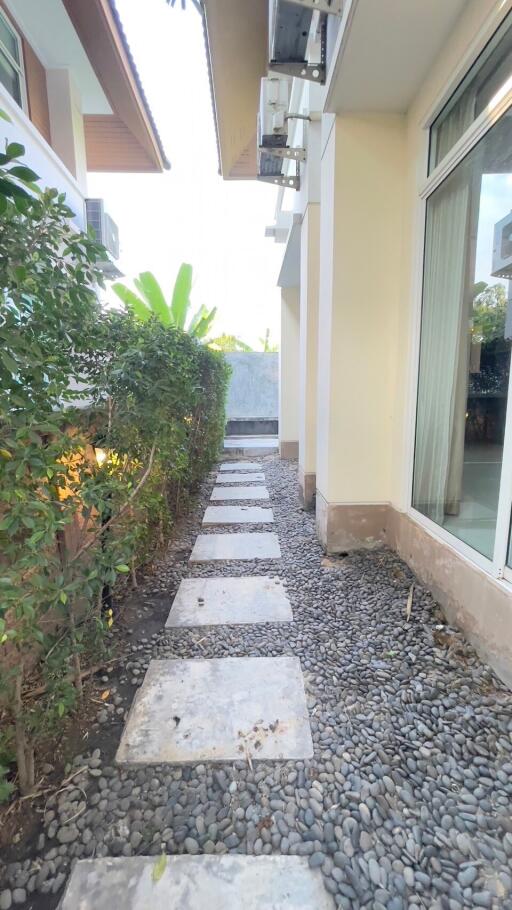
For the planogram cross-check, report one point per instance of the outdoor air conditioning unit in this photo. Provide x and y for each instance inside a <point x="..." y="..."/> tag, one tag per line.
<point x="502" y="249"/>
<point x="107" y="233"/>
<point x="273" y="146"/>
<point x="291" y="24"/>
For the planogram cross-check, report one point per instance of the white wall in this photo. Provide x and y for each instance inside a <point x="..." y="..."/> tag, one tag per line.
<point x="289" y="366"/>
<point x="40" y="156"/>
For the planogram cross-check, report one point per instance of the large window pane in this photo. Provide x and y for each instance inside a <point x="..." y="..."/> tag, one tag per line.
<point x="9" y="78"/>
<point x="489" y="74"/>
<point x="465" y="343"/>
<point x="8" y="39"/>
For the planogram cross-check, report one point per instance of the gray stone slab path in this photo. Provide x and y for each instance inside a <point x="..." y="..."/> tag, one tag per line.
<point x="224" y="601"/>
<point x="240" y="545"/>
<point x="240" y="466"/>
<point x="237" y="515"/>
<point x="240" y="477"/>
<point x="218" y="710"/>
<point x="220" y="494"/>
<point x="195" y="883"/>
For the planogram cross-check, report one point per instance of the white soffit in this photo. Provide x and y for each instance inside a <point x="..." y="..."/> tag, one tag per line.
<point x="386" y="51"/>
<point x="48" y="28"/>
<point x="289" y="276"/>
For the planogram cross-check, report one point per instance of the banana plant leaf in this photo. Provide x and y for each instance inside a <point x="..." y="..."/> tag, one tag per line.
<point x="181" y="295"/>
<point x="151" y="291"/>
<point x="204" y="323"/>
<point x="132" y="301"/>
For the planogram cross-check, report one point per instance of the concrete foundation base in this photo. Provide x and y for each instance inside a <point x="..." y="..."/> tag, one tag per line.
<point x="307" y="490"/>
<point x="289" y="449"/>
<point x="472" y="600"/>
<point x="350" y="526"/>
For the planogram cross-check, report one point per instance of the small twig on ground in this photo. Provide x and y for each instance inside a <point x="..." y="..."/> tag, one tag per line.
<point x="408" y="609"/>
<point x="40" y="690"/>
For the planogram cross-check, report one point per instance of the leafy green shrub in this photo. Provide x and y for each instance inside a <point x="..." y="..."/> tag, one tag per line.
<point x="74" y="380"/>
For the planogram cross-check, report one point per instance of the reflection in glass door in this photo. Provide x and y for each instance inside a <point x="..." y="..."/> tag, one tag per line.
<point x="466" y="332"/>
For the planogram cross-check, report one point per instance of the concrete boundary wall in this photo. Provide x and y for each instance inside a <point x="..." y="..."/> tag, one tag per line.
<point x="253" y="393"/>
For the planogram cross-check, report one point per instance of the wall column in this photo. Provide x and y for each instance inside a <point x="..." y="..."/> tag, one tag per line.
<point x="361" y="237"/>
<point x="289" y="374"/>
<point x="309" y="279"/>
<point x="67" y="123"/>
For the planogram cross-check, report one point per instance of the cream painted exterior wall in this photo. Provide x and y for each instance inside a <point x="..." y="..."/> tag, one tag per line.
<point x="309" y="284"/>
<point x="373" y="174"/>
<point x="289" y="373"/>
<point x="67" y="123"/>
<point x="360" y="266"/>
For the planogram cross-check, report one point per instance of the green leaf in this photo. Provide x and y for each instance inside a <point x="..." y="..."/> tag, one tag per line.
<point x="9" y="363"/>
<point x="63" y="597"/>
<point x="14" y="150"/>
<point x="61" y="707"/>
<point x="150" y="289"/>
<point x="10" y="189"/>
<point x="181" y="295"/>
<point x="203" y="325"/>
<point x="23" y="173"/>
<point x="122" y="568"/>
<point x="132" y="301"/>
<point x="159" y="868"/>
<point x="4" y="116"/>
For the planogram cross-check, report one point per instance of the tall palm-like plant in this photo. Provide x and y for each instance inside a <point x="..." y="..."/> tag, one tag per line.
<point x="151" y="301"/>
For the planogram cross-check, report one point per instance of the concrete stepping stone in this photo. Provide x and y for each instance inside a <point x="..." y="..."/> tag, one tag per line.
<point x="240" y="466"/>
<point x="237" y="515"/>
<point x="225" y="493"/>
<point x="240" y="477"/>
<point x="229" y="601"/>
<point x="218" y="710"/>
<point x="194" y="882"/>
<point x="240" y="545"/>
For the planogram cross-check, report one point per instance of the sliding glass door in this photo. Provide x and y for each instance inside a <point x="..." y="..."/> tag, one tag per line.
<point x="465" y="344"/>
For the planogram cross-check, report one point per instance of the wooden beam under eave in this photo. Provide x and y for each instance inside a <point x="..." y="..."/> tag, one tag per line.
<point x="105" y="47"/>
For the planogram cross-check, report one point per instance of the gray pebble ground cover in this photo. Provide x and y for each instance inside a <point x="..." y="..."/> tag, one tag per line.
<point x="407" y="800"/>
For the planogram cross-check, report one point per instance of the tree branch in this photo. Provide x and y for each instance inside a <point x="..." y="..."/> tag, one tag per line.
<point x="122" y="510"/>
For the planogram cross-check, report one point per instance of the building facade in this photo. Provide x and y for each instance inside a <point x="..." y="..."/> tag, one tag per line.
<point x="387" y="128"/>
<point x="70" y="87"/>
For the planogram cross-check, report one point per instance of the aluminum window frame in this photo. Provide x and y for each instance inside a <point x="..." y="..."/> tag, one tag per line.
<point x="19" y="67"/>
<point x="502" y="102"/>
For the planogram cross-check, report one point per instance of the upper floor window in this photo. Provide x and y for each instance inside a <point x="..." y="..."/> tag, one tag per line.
<point x="485" y="79"/>
<point x="12" y="76"/>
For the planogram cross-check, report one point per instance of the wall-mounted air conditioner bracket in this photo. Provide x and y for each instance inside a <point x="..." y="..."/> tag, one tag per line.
<point x="313" y="72"/>
<point x="283" y="151"/>
<point x="331" y="7"/>
<point x="285" y="180"/>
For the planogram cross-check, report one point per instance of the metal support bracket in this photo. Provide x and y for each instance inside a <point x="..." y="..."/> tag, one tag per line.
<point x="331" y="7"/>
<point x="283" y="180"/>
<point x="313" y="72"/>
<point x="280" y="151"/>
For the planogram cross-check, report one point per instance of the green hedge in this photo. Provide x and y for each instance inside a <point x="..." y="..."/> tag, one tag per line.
<point x="78" y="382"/>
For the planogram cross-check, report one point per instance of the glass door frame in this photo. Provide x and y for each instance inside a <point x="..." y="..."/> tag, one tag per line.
<point x="496" y="566"/>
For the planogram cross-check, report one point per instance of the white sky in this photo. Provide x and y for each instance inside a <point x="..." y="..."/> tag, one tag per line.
<point x="190" y="214"/>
